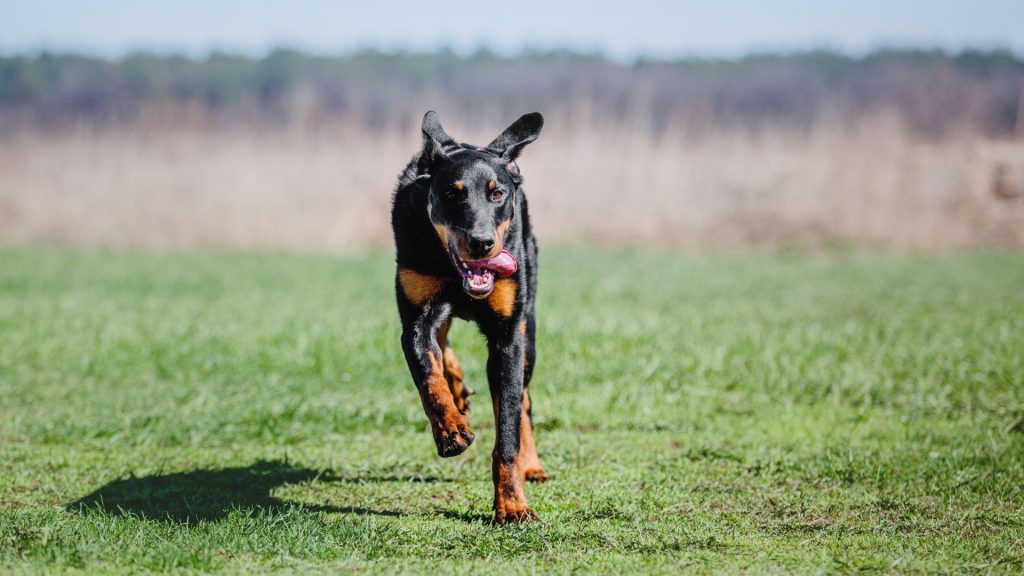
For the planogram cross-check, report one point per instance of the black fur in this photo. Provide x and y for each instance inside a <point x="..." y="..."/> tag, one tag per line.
<point x="446" y="185"/>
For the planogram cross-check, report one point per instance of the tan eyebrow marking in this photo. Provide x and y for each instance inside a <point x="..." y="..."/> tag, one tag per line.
<point x="458" y="185"/>
<point x="492" y="185"/>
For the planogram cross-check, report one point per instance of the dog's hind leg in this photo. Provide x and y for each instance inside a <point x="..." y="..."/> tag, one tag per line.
<point x="453" y="370"/>
<point x="531" y="466"/>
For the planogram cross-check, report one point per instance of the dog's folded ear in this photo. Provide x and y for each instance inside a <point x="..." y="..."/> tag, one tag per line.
<point x="435" y="143"/>
<point x="511" y="142"/>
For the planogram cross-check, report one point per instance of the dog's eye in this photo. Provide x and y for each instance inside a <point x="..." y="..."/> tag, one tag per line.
<point x="496" y="195"/>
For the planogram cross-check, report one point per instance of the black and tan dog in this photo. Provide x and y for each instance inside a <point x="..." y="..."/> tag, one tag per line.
<point x="465" y="249"/>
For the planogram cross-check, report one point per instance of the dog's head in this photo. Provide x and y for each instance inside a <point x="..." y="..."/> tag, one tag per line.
<point x="472" y="197"/>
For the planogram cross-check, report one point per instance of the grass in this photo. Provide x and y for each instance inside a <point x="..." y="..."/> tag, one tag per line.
<point x="785" y="413"/>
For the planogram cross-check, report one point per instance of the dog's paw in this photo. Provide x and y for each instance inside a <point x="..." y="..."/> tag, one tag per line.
<point x="518" y="514"/>
<point x="453" y="440"/>
<point x="535" y="475"/>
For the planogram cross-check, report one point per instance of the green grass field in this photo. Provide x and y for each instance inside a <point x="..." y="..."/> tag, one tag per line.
<point x="784" y="413"/>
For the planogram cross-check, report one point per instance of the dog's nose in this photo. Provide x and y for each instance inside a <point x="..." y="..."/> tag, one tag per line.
<point x="480" y="246"/>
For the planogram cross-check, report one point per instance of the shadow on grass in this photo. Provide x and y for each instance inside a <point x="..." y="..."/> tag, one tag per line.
<point x="204" y="494"/>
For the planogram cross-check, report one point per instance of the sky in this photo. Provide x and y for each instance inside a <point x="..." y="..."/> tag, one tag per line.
<point x="621" y="30"/>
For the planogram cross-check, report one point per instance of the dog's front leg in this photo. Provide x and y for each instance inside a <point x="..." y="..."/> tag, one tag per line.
<point x="505" y="377"/>
<point x="448" y="424"/>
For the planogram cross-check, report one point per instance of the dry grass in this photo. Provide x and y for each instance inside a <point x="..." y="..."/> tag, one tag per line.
<point x="329" y="189"/>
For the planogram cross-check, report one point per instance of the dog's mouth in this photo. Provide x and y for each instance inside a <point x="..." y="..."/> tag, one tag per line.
<point x="478" y="275"/>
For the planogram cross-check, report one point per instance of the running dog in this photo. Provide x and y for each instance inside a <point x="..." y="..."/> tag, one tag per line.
<point x="465" y="249"/>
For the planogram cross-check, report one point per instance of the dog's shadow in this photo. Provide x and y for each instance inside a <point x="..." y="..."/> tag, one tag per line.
<point x="211" y="494"/>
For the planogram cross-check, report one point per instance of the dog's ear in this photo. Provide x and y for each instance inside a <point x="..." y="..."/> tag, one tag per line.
<point x="435" y="142"/>
<point x="511" y="142"/>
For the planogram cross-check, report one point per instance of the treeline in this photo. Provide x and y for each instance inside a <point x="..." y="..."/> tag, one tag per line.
<point x="932" y="91"/>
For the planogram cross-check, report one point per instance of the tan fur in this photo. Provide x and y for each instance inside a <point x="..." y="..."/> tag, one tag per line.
<point x="503" y="298"/>
<point x="446" y="421"/>
<point x="499" y="236"/>
<point x="419" y="288"/>
<point x="453" y="370"/>
<point x="442" y="233"/>
<point x="529" y="461"/>
<point x="509" y="496"/>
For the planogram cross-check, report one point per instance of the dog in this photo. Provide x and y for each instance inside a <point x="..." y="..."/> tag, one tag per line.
<point x="464" y="249"/>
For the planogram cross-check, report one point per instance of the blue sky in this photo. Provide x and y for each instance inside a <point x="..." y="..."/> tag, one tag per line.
<point x="622" y="30"/>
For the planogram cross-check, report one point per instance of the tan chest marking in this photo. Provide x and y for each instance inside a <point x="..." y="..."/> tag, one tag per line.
<point x="419" y="288"/>
<point x="503" y="298"/>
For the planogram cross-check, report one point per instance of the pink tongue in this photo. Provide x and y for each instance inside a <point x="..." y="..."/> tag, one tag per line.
<point x="503" y="264"/>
